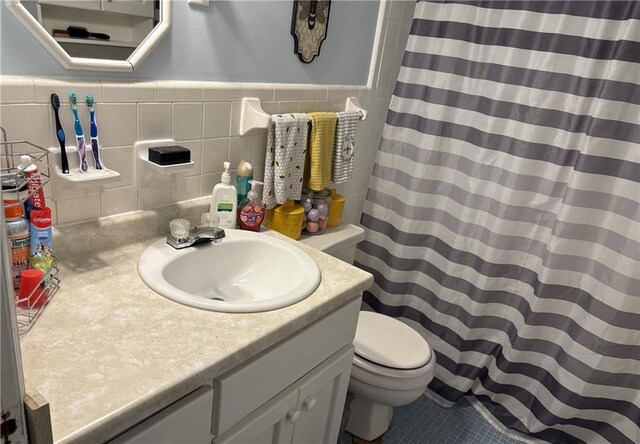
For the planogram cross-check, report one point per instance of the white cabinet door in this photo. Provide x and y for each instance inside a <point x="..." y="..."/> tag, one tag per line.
<point x="271" y="424"/>
<point x="243" y="390"/>
<point x="295" y="392"/>
<point x="321" y="400"/>
<point x="141" y="8"/>
<point x="187" y="421"/>
<point x="309" y="411"/>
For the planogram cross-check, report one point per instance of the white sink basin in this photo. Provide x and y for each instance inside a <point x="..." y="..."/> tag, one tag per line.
<point x="246" y="272"/>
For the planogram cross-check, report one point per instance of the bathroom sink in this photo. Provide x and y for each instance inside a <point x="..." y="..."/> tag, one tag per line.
<point x="245" y="272"/>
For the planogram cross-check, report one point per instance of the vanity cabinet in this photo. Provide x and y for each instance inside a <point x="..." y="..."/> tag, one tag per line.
<point x="186" y="421"/>
<point x="321" y="400"/>
<point x="309" y="411"/>
<point x="293" y="392"/>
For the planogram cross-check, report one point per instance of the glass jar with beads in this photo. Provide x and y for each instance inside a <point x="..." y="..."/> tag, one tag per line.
<point x="316" y="206"/>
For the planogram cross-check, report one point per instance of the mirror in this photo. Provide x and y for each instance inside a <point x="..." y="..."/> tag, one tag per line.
<point x="99" y="35"/>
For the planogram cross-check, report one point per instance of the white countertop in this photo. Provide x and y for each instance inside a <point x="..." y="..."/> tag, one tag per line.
<point x="108" y="351"/>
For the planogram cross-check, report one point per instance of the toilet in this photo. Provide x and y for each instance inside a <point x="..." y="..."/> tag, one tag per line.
<point x="392" y="364"/>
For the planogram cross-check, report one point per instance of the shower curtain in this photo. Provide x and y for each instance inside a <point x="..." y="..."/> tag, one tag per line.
<point x="502" y="218"/>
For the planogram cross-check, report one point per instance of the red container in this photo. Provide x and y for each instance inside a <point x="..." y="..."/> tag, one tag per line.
<point x="32" y="294"/>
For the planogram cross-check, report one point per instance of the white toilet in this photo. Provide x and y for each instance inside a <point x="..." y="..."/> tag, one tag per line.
<point x="392" y="365"/>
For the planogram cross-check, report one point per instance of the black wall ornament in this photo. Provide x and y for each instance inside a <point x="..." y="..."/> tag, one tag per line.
<point x="309" y="27"/>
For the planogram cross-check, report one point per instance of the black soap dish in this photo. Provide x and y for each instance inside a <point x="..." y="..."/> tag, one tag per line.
<point x="169" y="155"/>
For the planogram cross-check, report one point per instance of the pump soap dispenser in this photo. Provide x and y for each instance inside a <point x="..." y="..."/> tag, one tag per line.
<point x="251" y="211"/>
<point x="224" y="201"/>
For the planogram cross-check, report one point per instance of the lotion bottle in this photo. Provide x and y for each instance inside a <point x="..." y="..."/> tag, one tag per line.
<point x="224" y="201"/>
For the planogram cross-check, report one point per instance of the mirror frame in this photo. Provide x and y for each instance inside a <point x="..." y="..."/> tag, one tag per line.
<point x="88" y="64"/>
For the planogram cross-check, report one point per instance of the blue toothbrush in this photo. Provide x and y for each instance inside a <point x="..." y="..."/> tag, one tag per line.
<point x="82" y="150"/>
<point x="95" y="144"/>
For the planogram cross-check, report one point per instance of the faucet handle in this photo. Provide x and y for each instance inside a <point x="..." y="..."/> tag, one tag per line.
<point x="180" y="229"/>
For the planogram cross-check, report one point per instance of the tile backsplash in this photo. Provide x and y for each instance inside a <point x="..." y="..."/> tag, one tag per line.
<point x="202" y="116"/>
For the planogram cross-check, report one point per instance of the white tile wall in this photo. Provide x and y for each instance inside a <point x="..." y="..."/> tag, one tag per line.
<point x="240" y="148"/>
<point x="314" y="93"/>
<point x="78" y="209"/>
<point x="222" y="92"/>
<point x="154" y="121"/>
<point x="119" y="200"/>
<point x="180" y="92"/>
<point x="17" y="90"/>
<point x="204" y="117"/>
<point x="187" y="121"/>
<point x="120" y="159"/>
<point x="185" y="188"/>
<point x="117" y="123"/>
<point x="307" y="106"/>
<point x="214" y="153"/>
<point x="27" y="121"/>
<point x="287" y="107"/>
<point x="217" y="119"/>
<point x="154" y="191"/>
<point x="44" y="88"/>
<point x="129" y="91"/>
<point x="292" y="93"/>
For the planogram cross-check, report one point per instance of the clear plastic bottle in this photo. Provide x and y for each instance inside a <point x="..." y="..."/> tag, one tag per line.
<point x="18" y="234"/>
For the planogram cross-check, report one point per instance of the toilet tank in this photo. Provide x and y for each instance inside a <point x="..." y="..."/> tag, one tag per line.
<point x="338" y="242"/>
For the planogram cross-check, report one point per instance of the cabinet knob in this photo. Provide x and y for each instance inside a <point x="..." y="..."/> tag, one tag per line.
<point x="310" y="404"/>
<point x="293" y="416"/>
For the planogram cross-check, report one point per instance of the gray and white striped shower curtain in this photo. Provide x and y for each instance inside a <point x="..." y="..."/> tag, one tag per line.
<point x="502" y="219"/>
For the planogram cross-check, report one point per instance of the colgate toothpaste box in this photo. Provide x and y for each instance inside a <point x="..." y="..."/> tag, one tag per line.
<point x="41" y="253"/>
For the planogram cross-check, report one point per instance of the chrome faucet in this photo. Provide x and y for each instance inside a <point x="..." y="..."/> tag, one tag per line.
<point x="183" y="236"/>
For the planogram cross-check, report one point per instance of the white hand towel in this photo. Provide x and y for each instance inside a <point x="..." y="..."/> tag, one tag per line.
<point x="344" y="145"/>
<point x="284" y="164"/>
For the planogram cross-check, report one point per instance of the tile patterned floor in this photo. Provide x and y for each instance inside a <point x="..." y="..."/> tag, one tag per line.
<point x="424" y="422"/>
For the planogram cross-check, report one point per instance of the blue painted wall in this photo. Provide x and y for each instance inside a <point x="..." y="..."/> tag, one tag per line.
<point x="238" y="41"/>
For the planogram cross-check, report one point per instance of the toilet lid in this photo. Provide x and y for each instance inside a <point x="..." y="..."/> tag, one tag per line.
<point x="387" y="341"/>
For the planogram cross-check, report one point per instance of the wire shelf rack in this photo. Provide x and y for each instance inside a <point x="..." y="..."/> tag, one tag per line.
<point x="20" y="188"/>
<point x="30" y="307"/>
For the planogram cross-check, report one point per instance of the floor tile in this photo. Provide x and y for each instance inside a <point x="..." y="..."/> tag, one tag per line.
<point x="424" y="422"/>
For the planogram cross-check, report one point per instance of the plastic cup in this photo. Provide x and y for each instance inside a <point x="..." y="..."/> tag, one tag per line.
<point x="31" y="292"/>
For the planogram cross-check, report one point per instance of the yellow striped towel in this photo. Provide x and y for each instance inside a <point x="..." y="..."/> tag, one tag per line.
<point x="318" y="163"/>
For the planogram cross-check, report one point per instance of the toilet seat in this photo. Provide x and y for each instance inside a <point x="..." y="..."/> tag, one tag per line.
<point x="385" y="344"/>
<point x="388" y="372"/>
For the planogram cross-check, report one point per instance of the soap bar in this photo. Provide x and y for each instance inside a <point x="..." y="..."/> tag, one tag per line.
<point x="169" y="155"/>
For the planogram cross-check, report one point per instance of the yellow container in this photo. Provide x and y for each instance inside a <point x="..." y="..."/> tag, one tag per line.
<point x="335" y="211"/>
<point x="286" y="219"/>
